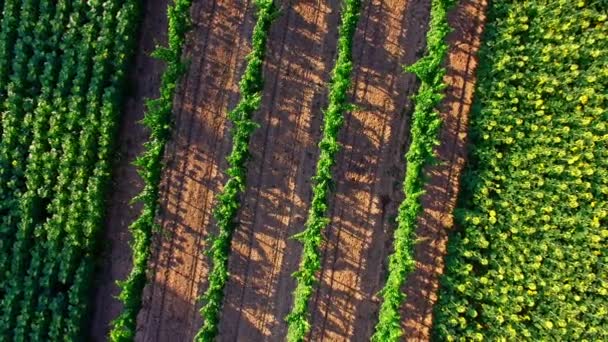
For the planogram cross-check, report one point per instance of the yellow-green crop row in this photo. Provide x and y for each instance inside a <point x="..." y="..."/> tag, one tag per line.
<point x="529" y="260"/>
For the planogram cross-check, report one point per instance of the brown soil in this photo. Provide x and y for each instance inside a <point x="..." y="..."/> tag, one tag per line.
<point x="369" y="171"/>
<point x="468" y="22"/>
<point x="195" y="159"/>
<point x="115" y="260"/>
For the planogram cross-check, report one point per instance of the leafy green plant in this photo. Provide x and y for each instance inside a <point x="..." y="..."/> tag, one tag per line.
<point x="8" y="35"/>
<point x="424" y="132"/>
<point x="41" y="175"/>
<point x="61" y="95"/>
<point x="13" y="147"/>
<point x="92" y="202"/>
<point x="228" y="203"/>
<point x="529" y="260"/>
<point x="157" y="119"/>
<point x="311" y="238"/>
<point x="22" y="95"/>
<point x="44" y="40"/>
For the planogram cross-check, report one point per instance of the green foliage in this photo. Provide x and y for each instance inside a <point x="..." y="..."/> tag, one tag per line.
<point x="529" y="262"/>
<point x="157" y="119"/>
<point x="424" y="134"/>
<point x="311" y="238"/>
<point x="228" y="203"/>
<point x="42" y="41"/>
<point x="12" y="157"/>
<point x="60" y="101"/>
<point x="92" y="203"/>
<point x="44" y="158"/>
<point x="8" y="35"/>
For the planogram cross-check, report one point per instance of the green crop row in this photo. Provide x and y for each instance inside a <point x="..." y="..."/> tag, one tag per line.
<point x="228" y="203"/>
<point x="426" y="123"/>
<point x="311" y="236"/>
<point x="28" y="203"/>
<point x="61" y="84"/>
<point x="13" y="146"/>
<point x="157" y="119"/>
<point x="529" y="260"/>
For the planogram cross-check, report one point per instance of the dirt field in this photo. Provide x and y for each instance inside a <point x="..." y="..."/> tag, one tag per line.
<point x="370" y="168"/>
<point x="301" y="51"/>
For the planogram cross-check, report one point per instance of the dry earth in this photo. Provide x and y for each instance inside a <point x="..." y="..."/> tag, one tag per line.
<point x="301" y="51"/>
<point x="369" y="170"/>
<point x="195" y="158"/>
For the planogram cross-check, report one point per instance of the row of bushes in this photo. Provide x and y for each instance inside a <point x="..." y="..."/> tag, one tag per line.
<point x="311" y="237"/>
<point x="228" y="202"/>
<point x="426" y="123"/>
<point x="157" y="119"/>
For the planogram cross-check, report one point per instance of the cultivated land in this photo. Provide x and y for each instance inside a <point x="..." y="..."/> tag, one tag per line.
<point x="115" y="259"/>
<point x="195" y="158"/>
<point x="370" y="168"/>
<point x="529" y="257"/>
<point x="144" y="178"/>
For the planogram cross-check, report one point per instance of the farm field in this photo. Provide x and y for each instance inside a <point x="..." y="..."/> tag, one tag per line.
<point x="530" y="258"/>
<point x="270" y="170"/>
<point x="298" y="66"/>
<point x="62" y="75"/>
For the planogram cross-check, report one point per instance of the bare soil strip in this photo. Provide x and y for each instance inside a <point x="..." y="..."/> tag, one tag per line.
<point x="301" y="51"/>
<point x="468" y="20"/>
<point x="195" y="160"/>
<point x="369" y="170"/>
<point x="115" y="260"/>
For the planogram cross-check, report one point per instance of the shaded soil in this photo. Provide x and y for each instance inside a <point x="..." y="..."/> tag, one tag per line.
<point x="468" y="20"/>
<point x="115" y="259"/>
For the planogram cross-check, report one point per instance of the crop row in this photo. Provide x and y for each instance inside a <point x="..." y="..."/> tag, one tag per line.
<point x="530" y="262"/>
<point x="157" y="119"/>
<point x="61" y="94"/>
<point x="228" y="202"/>
<point x="317" y="221"/>
<point x="426" y="123"/>
<point x="14" y="144"/>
